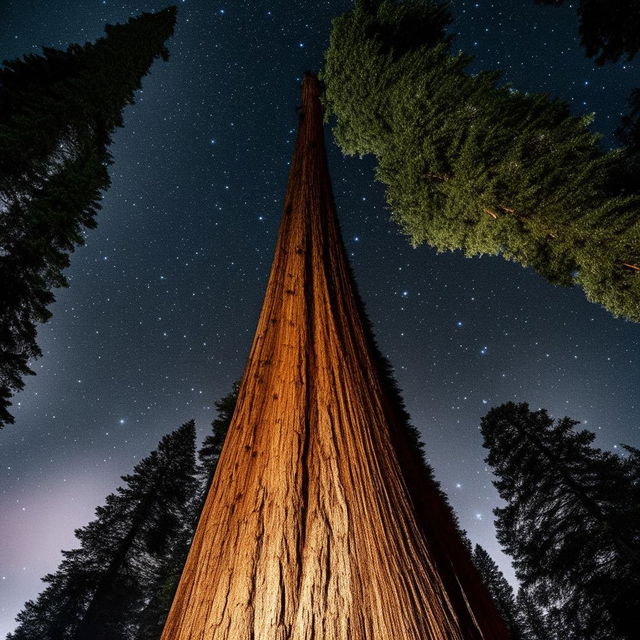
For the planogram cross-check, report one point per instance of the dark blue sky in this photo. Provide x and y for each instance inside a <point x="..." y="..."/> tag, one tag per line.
<point x="164" y="297"/>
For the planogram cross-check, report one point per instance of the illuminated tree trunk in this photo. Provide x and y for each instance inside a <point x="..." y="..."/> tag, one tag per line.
<point x="320" y="523"/>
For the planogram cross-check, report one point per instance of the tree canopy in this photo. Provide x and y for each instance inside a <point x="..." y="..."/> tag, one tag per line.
<point x="131" y="557"/>
<point x="571" y="521"/>
<point x="471" y="164"/>
<point x="103" y="587"/>
<point x="58" y="111"/>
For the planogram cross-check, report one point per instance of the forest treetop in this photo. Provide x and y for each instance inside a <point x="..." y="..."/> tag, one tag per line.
<point x="58" y="111"/>
<point x="473" y="164"/>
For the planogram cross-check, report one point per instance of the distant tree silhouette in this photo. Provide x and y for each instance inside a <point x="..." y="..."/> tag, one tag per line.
<point x="500" y="590"/>
<point x="151" y="620"/>
<point x="471" y="165"/>
<point x="571" y="522"/>
<point x="102" y="587"/>
<point x="126" y="581"/>
<point x="212" y="445"/>
<point x="610" y="29"/>
<point x="57" y="113"/>
<point x="524" y="617"/>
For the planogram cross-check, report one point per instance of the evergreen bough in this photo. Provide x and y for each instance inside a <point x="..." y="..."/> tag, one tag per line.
<point x="571" y="522"/>
<point x="469" y="164"/>
<point x="58" y="111"/>
<point x="103" y="589"/>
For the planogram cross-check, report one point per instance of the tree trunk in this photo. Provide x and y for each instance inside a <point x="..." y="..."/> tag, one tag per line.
<point x="320" y="523"/>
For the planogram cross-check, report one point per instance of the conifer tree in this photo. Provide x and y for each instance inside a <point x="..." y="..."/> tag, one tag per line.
<point x="212" y="445"/>
<point x="101" y="587"/>
<point x="58" y="111"/>
<point x="571" y="521"/>
<point x="610" y="30"/>
<point x="148" y="622"/>
<point x="500" y="590"/>
<point x="525" y="619"/>
<point x="531" y="618"/>
<point x="472" y="165"/>
<point x="152" y="618"/>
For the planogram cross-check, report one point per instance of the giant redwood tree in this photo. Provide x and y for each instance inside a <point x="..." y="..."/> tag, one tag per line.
<point x="58" y="111"/>
<point x="321" y="521"/>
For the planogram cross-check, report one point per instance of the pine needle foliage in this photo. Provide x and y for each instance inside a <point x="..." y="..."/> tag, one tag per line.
<point x="100" y="589"/>
<point x="571" y="521"/>
<point x="471" y="164"/>
<point x="58" y="111"/>
<point x="532" y="619"/>
<point x="500" y="590"/>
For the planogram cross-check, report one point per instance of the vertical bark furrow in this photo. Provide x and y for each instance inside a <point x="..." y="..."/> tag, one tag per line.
<point x="315" y="526"/>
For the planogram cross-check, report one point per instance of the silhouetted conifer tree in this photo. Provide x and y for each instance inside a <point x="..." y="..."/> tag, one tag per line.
<point x="212" y="445"/>
<point x="100" y="588"/>
<point x="571" y="522"/>
<point x="57" y="113"/>
<point x="531" y="618"/>
<point x="525" y="619"/>
<point x="610" y="30"/>
<point x="500" y="590"/>
<point x="152" y="618"/>
<point x="471" y="165"/>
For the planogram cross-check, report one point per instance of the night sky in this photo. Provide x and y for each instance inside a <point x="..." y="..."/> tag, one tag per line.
<point x="164" y="297"/>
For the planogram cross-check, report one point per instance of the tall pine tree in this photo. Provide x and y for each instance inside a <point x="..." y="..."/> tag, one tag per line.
<point x="212" y="445"/>
<point x="571" y="522"/>
<point x="472" y="165"/>
<point x="524" y="617"/>
<point x="101" y="588"/>
<point x="151" y="620"/>
<point x="500" y="590"/>
<point x="58" y="111"/>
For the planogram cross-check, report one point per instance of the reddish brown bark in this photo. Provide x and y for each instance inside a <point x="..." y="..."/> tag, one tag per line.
<point x="321" y="523"/>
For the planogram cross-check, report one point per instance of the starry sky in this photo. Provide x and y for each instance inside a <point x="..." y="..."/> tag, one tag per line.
<point x="164" y="297"/>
